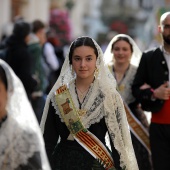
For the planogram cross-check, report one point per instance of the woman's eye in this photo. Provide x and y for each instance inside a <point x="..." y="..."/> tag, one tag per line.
<point x="77" y="59"/>
<point x="116" y="49"/>
<point x="88" y="59"/>
<point x="125" y="49"/>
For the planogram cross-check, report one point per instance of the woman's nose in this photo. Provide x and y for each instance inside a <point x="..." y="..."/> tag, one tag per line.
<point x="120" y="51"/>
<point x="83" y="62"/>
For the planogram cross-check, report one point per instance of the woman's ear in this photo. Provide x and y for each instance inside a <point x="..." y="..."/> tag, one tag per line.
<point x="159" y="29"/>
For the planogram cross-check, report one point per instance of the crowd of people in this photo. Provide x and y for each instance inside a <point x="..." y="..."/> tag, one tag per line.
<point x="55" y="110"/>
<point x="34" y="60"/>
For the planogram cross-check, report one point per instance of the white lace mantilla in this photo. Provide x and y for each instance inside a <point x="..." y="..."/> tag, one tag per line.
<point x="102" y="100"/>
<point x="94" y="108"/>
<point x="20" y="135"/>
<point x="115" y="121"/>
<point x="17" y="146"/>
<point x="125" y="85"/>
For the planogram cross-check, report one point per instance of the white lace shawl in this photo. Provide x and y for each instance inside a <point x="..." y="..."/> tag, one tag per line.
<point x="111" y="107"/>
<point x="126" y="82"/>
<point x="20" y="135"/>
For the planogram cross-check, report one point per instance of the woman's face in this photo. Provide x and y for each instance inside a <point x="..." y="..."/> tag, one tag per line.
<point x="84" y="62"/>
<point x="3" y="99"/>
<point x="122" y="52"/>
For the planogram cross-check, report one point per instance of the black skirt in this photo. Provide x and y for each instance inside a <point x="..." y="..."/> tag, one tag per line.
<point x="68" y="156"/>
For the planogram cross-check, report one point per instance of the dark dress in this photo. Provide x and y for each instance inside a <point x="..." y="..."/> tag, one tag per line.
<point x="70" y="155"/>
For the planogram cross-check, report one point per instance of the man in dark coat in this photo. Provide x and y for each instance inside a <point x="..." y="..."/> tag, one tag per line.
<point x="151" y="88"/>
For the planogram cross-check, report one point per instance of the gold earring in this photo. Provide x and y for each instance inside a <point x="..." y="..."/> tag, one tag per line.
<point x="96" y="72"/>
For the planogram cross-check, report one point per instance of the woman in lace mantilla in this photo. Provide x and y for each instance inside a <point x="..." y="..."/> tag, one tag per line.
<point x="123" y="56"/>
<point x="21" y="142"/>
<point x="100" y="107"/>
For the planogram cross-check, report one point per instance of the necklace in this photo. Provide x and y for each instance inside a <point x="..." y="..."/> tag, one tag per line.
<point x="82" y="100"/>
<point x="81" y="111"/>
<point x="82" y="94"/>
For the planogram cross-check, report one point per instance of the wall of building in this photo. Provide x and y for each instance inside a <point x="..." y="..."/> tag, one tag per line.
<point x="5" y="14"/>
<point x="36" y="9"/>
<point x="87" y="17"/>
<point x="30" y="10"/>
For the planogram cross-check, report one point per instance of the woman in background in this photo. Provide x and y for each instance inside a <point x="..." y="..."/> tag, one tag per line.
<point x="122" y="56"/>
<point x="21" y="142"/>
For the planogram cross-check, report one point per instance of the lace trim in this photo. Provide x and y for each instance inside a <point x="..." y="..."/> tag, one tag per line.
<point x="117" y="127"/>
<point x="17" y="146"/>
<point x="20" y="135"/>
<point x="54" y="104"/>
<point x="126" y="91"/>
<point x="95" y="111"/>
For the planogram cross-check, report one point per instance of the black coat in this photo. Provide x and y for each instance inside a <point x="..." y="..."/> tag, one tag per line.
<point x="19" y="59"/>
<point x="152" y="70"/>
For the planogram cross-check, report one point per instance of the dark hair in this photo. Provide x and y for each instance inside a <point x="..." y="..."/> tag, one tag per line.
<point x="21" y="29"/>
<point x="82" y="41"/>
<point x="124" y="39"/>
<point x="3" y="77"/>
<point x="37" y="25"/>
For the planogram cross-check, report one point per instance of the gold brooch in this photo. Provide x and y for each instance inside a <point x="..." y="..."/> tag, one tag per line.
<point x="121" y="87"/>
<point x="81" y="112"/>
